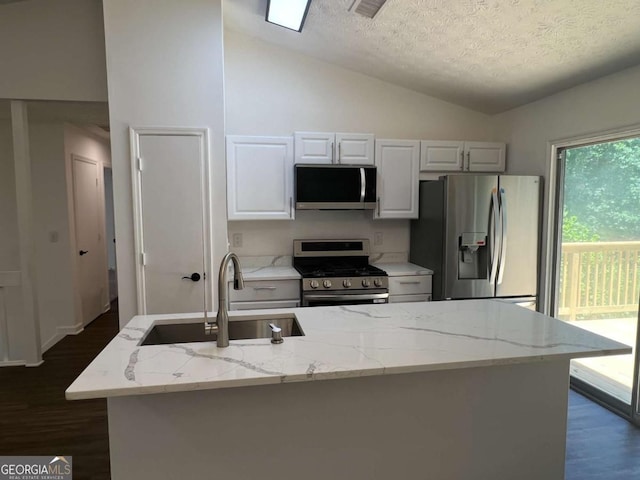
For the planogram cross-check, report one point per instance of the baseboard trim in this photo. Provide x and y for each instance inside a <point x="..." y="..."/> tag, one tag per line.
<point x="52" y="341"/>
<point x="72" y="330"/>
<point x="61" y="332"/>
<point x="13" y="363"/>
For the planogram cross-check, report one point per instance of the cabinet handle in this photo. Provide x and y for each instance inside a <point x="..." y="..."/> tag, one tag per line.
<point x="413" y="282"/>
<point x="264" y="288"/>
<point x="290" y="206"/>
<point x="333" y="152"/>
<point x="339" y="152"/>
<point x="468" y="161"/>
<point x="462" y="160"/>
<point x="378" y="202"/>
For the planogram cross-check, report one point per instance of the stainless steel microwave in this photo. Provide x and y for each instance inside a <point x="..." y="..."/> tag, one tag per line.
<point x="335" y="187"/>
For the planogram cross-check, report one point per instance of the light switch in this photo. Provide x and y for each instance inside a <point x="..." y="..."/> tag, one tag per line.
<point x="377" y="238"/>
<point x="53" y="237"/>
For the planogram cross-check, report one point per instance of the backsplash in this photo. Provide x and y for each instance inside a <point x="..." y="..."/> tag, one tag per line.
<point x="275" y="238"/>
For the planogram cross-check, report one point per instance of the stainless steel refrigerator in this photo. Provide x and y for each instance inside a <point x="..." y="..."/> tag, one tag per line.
<point x="480" y="236"/>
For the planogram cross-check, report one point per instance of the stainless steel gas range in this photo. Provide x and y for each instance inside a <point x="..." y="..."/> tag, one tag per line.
<point x="337" y="272"/>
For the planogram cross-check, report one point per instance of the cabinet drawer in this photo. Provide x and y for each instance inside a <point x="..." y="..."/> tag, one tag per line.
<point x="410" y="285"/>
<point x="261" y="305"/>
<point x="410" y="298"/>
<point x="265" y="290"/>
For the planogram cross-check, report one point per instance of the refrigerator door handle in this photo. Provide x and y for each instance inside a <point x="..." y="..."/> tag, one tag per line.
<point x="503" y="240"/>
<point x="494" y="225"/>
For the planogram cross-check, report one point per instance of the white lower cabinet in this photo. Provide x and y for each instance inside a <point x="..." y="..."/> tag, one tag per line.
<point x="397" y="162"/>
<point x="258" y="294"/>
<point x="260" y="178"/>
<point x="410" y="288"/>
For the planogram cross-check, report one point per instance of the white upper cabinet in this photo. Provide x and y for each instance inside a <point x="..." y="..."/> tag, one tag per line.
<point x="398" y="177"/>
<point x="259" y="178"/>
<point x="485" y="156"/>
<point x="355" y="148"/>
<point x="346" y="148"/>
<point x="315" y="147"/>
<point x="441" y="156"/>
<point x="455" y="156"/>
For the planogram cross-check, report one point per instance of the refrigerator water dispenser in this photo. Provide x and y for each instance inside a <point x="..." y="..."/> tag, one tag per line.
<point x="472" y="256"/>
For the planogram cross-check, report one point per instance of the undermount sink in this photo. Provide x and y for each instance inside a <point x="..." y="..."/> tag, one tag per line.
<point x="240" y="328"/>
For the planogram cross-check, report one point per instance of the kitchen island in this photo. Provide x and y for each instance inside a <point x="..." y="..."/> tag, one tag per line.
<point x="444" y="390"/>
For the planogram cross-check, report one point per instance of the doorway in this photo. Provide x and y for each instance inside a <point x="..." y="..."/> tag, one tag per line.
<point x="597" y="274"/>
<point x="110" y="233"/>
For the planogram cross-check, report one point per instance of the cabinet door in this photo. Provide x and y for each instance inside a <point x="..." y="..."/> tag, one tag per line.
<point x="314" y="147"/>
<point x="355" y="148"/>
<point x="441" y="156"/>
<point x="259" y="178"/>
<point x="397" y="162"/>
<point x="485" y="156"/>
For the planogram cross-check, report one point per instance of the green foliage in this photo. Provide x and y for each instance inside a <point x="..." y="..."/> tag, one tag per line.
<point x="574" y="231"/>
<point x="602" y="192"/>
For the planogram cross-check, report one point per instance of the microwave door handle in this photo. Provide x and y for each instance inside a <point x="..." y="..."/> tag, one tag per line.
<point x="503" y="223"/>
<point x="363" y="185"/>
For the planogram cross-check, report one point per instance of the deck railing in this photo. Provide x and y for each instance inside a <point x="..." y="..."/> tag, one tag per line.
<point x="598" y="278"/>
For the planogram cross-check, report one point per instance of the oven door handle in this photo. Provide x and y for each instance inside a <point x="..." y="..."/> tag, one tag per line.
<point x="358" y="296"/>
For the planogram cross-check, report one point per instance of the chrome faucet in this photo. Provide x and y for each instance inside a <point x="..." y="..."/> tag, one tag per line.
<point x="221" y="327"/>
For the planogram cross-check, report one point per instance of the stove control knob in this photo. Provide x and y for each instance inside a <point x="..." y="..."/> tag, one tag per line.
<point x="346" y="283"/>
<point x="366" y="283"/>
<point x="377" y="282"/>
<point x="327" y="284"/>
<point x="314" y="284"/>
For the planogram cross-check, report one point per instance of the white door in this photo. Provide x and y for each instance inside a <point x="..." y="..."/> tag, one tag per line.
<point x="259" y="178"/>
<point x="355" y="148"/>
<point x="314" y="147"/>
<point x="441" y="156"/>
<point x="485" y="156"/>
<point x="170" y="219"/>
<point x="398" y="163"/>
<point x="91" y="250"/>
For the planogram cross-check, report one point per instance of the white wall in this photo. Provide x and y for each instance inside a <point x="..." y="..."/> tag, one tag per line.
<point x="165" y="68"/>
<point x="53" y="259"/>
<point x="52" y="50"/>
<point x="273" y="91"/>
<point x="9" y="248"/>
<point x="610" y="103"/>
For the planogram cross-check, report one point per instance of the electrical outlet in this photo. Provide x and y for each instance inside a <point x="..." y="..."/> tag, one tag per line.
<point x="237" y="240"/>
<point x="377" y="238"/>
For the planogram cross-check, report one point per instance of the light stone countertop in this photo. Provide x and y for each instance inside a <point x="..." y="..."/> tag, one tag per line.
<point x="269" y="273"/>
<point x="339" y="342"/>
<point x="402" y="269"/>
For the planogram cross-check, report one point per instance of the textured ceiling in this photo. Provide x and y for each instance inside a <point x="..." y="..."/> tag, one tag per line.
<point x="488" y="55"/>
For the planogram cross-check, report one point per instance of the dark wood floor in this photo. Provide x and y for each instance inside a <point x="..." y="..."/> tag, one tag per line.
<point x="35" y="418"/>
<point x="600" y="444"/>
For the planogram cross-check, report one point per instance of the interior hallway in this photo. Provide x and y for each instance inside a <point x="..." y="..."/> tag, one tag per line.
<point x="35" y="418"/>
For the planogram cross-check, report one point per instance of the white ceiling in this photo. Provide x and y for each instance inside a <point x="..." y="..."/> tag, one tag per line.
<point x="488" y="55"/>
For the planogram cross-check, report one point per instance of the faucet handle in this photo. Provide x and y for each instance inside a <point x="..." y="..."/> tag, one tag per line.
<point x="276" y="333"/>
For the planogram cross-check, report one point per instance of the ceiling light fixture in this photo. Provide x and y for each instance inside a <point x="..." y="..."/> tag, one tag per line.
<point x="289" y="14"/>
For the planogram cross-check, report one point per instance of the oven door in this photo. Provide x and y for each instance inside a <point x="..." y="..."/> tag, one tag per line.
<point x="348" y="297"/>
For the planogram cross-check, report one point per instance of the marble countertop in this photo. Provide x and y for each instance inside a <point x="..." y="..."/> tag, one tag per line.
<point x="402" y="269"/>
<point x="269" y="273"/>
<point x="339" y="342"/>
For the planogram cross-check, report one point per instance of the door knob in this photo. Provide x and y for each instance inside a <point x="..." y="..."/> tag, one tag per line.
<point x="194" y="277"/>
<point x="83" y="252"/>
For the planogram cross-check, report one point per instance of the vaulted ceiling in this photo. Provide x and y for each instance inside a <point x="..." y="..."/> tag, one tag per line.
<point x="487" y="55"/>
